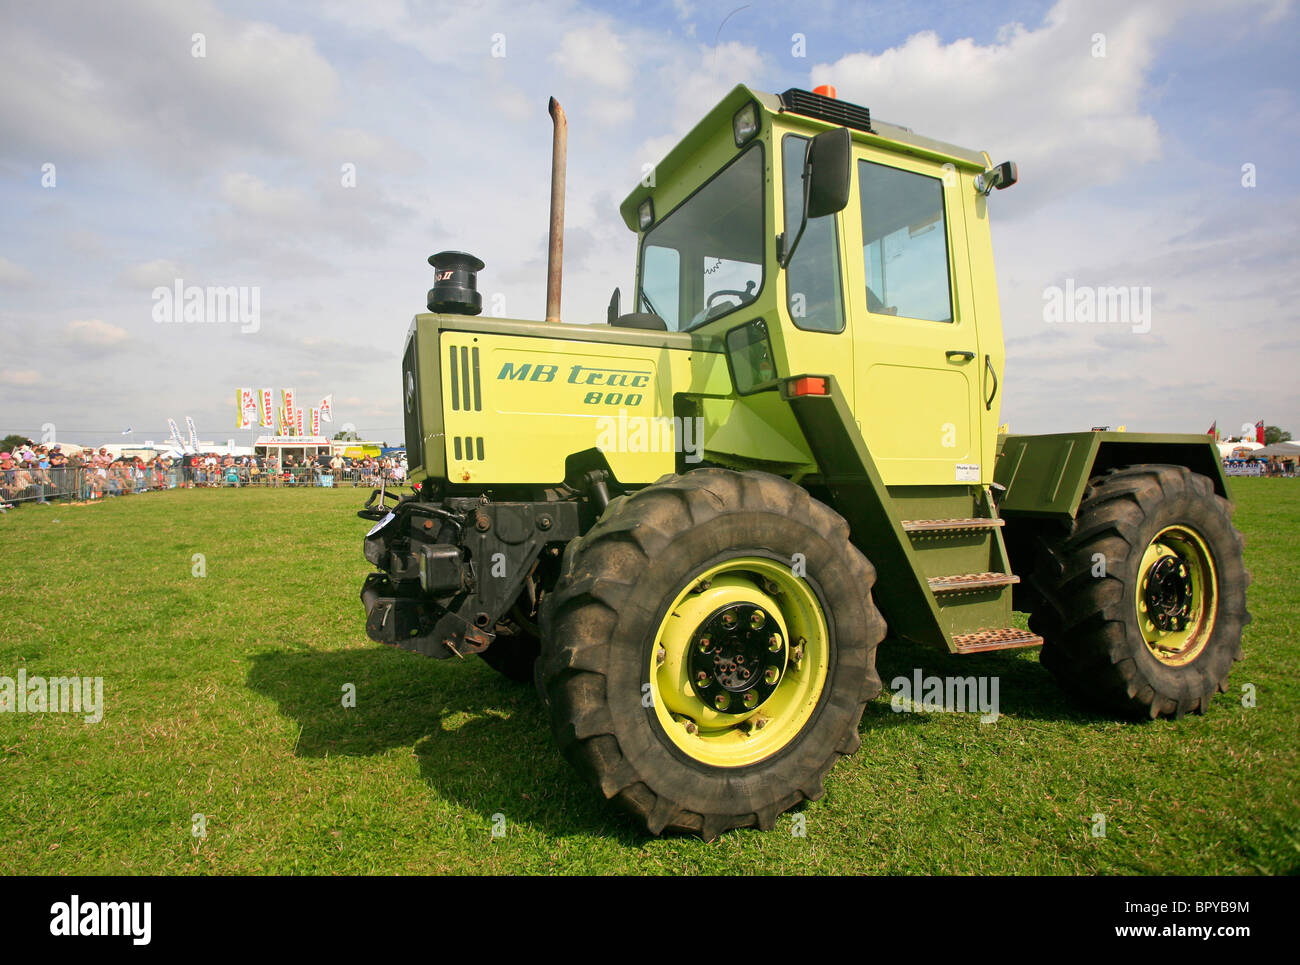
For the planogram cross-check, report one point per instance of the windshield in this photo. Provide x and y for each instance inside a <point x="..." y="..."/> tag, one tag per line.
<point x="705" y="259"/>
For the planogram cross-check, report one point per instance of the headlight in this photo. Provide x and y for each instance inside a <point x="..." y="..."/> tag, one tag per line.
<point x="745" y="124"/>
<point x="645" y="215"/>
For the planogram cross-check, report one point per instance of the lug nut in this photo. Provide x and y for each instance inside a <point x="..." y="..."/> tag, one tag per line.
<point x="704" y="644"/>
<point x="660" y="656"/>
<point x="722" y="701"/>
<point x="702" y="679"/>
<point x="750" y="699"/>
<point x="774" y="643"/>
<point x="703" y="585"/>
<point x="757" y="619"/>
<point x="728" y="619"/>
<point x="771" y="675"/>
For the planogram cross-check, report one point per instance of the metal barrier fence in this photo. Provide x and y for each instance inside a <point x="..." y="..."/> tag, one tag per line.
<point x="32" y="485"/>
<point x="293" y="476"/>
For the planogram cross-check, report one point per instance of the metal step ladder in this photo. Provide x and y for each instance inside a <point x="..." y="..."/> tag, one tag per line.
<point x="975" y="606"/>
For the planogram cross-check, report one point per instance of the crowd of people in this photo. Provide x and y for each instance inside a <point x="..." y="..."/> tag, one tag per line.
<point x="39" y="474"/>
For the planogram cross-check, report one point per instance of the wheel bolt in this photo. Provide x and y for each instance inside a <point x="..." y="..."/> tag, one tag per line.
<point x="660" y="656"/>
<point x="703" y="585"/>
<point x="750" y="699"/>
<point x="728" y="619"/>
<point x="774" y="643"/>
<point x="771" y="587"/>
<point x="705" y="643"/>
<point x="722" y="701"/>
<point x="691" y="727"/>
<point x="757" y="619"/>
<point x="771" y="675"/>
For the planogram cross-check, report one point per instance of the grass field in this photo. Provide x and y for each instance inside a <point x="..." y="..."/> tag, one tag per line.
<point x="223" y="698"/>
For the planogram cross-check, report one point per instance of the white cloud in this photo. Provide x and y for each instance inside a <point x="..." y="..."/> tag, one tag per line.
<point x="151" y="274"/>
<point x="1038" y="97"/>
<point x="90" y="80"/>
<point x="597" y="54"/>
<point x="97" y="333"/>
<point x="13" y="276"/>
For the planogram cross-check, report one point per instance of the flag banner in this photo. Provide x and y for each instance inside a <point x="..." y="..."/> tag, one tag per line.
<point x="247" y="403"/>
<point x="264" y="405"/>
<point x="327" y="409"/>
<point x="194" y="433"/>
<point x="176" y="433"/>
<point x="1259" y="432"/>
<point x="288" y="401"/>
<point x="284" y="422"/>
<point x="1214" y="429"/>
<point x="298" y="422"/>
<point x="315" y="422"/>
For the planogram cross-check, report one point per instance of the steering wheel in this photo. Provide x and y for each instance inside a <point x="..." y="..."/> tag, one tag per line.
<point x="742" y="296"/>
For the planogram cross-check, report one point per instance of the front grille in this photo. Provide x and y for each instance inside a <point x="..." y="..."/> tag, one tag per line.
<point x="830" y="109"/>
<point x="411" y="408"/>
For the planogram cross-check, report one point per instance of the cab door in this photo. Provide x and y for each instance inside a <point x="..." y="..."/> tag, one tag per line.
<point x="916" y="353"/>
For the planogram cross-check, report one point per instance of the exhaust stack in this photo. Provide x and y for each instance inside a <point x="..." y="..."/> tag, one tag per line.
<point x="555" y="250"/>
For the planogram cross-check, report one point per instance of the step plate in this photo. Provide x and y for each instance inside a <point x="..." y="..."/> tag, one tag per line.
<point x="971" y="581"/>
<point x="1009" y="638"/>
<point x="940" y="525"/>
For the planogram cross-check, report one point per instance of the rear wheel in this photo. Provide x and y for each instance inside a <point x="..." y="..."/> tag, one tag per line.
<point x="709" y="649"/>
<point x="1143" y="599"/>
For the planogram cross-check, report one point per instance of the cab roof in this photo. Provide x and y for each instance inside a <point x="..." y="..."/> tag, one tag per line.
<point x="880" y="133"/>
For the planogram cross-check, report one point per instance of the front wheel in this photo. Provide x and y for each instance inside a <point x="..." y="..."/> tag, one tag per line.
<point x="709" y="649"/>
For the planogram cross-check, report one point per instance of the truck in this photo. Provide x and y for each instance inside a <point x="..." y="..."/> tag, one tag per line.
<point x="692" y="525"/>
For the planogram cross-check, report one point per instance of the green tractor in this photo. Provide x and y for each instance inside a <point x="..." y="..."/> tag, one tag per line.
<point x="693" y="525"/>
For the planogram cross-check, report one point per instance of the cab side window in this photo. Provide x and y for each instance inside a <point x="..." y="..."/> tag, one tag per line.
<point x="904" y="243"/>
<point x="816" y="302"/>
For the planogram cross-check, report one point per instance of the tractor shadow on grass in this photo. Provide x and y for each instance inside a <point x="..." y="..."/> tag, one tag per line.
<point x="482" y="742"/>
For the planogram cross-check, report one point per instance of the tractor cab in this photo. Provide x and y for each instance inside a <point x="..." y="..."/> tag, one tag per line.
<point x="812" y="238"/>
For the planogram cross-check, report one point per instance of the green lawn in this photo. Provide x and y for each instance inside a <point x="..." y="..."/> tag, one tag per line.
<point x="223" y="698"/>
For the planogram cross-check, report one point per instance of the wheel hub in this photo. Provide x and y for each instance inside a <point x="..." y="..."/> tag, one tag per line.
<point x="738" y="657"/>
<point x="1168" y="593"/>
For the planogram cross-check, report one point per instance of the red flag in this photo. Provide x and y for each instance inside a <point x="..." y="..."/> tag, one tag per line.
<point x="1259" y="432"/>
<point x="1214" y="429"/>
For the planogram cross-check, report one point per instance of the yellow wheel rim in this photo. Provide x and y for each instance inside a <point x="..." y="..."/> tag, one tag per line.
<point x="1177" y="596"/>
<point x="739" y="662"/>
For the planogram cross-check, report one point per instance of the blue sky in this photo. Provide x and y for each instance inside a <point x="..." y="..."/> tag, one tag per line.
<point x="226" y="170"/>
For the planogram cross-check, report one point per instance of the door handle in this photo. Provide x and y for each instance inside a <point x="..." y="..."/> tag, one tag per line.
<point x="988" y="364"/>
<point x="953" y="353"/>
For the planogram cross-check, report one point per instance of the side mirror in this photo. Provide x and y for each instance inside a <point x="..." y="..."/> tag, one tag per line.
<point x="611" y="313"/>
<point x="827" y="174"/>
<point x="1000" y="177"/>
